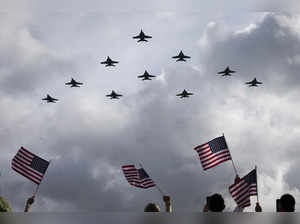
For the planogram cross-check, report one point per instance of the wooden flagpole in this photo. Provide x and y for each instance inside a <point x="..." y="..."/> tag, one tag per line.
<point x="157" y="187"/>
<point x="231" y="157"/>
<point x="256" y="184"/>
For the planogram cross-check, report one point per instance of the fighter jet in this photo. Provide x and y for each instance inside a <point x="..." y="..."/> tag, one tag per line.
<point x="181" y="56"/>
<point x="73" y="83"/>
<point x="114" y="95"/>
<point x="254" y="82"/>
<point x="50" y="99"/>
<point x="226" y="72"/>
<point x="146" y="76"/>
<point x="184" y="94"/>
<point x="142" y="37"/>
<point x="109" y="62"/>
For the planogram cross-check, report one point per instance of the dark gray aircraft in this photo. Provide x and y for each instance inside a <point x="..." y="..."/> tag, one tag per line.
<point x="184" y="94"/>
<point x="146" y="76"/>
<point x="226" y="72"/>
<point x="114" y="95"/>
<point x="181" y="56"/>
<point x="109" y="62"/>
<point x="50" y="99"/>
<point x="254" y="82"/>
<point x="73" y="83"/>
<point x="142" y="37"/>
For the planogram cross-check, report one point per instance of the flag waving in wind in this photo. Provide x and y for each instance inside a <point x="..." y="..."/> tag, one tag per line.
<point x="29" y="165"/>
<point x="242" y="189"/>
<point x="137" y="177"/>
<point x="213" y="152"/>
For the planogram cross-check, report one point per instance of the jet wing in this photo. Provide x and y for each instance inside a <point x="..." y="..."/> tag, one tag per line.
<point x="141" y="76"/>
<point x="176" y="56"/>
<point x="69" y="83"/>
<point x="114" y="62"/>
<point x="184" y="56"/>
<point x="258" y="82"/>
<point x="222" y="72"/>
<point x="148" y="36"/>
<point x="136" y="37"/>
<point x="104" y="62"/>
<point x="248" y="83"/>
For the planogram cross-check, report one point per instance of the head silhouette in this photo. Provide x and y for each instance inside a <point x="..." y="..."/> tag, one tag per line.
<point x="4" y="205"/>
<point x="287" y="203"/>
<point x="151" y="207"/>
<point x="216" y="203"/>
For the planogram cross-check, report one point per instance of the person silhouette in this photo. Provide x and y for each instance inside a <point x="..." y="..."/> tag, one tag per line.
<point x="214" y="203"/>
<point x="4" y="205"/>
<point x="286" y="203"/>
<point x="152" y="207"/>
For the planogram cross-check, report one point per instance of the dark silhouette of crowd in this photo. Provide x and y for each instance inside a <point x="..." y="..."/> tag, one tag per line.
<point x="214" y="203"/>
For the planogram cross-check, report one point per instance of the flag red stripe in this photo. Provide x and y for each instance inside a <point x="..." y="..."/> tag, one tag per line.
<point x="221" y="161"/>
<point x="27" y="152"/>
<point x="20" y="153"/>
<point x="15" y="160"/>
<point x="227" y="156"/>
<point x="214" y="155"/>
<point x="199" y="150"/>
<point x="26" y="172"/>
<point x="25" y="175"/>
<point x="26" y="169"/>
<point x="22" y="160"/>
<point x="200" y="146"/>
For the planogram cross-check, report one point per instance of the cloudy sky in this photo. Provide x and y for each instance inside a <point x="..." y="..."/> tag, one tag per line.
<point x="88" y="137"/>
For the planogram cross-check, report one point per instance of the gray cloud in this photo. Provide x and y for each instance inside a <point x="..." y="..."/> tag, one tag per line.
<point x="89" y="137"/>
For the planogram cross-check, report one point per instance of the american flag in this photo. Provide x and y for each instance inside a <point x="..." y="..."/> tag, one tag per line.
<point x="29" y="165"/>
<point x="243" y="189"/>
<point x="137" y="177"/>
<point x="213" y="152"/>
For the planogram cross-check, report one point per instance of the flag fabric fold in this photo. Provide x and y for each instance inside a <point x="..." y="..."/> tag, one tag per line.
<point x="29" y="165"/>
<point x="137" y="177"/>
<point x="213" y="153"/>
<point x="244" y="188"/>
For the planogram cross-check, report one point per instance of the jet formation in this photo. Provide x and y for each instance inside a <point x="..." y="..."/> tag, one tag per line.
<point x="109" y="62"/>
<point x="142" y="37"/>
<point x="226" y="72"/>
<point x="50" y="99"/>
<point x="181" y="56"/>
<point x="73" y="83"/>
<point x="114" y="95"/>
<point x="184" y="94"/>
<point x="252" y="83"/>
<point x="146" y="76"/>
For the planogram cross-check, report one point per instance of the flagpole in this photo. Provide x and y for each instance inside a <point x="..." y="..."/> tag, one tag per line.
<point x="157" y="187"/>
<point x="38" y="186"/>
<point x="256" y="184"/>
<point x="231" y="157"/>
<point x="1" y="193"/>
